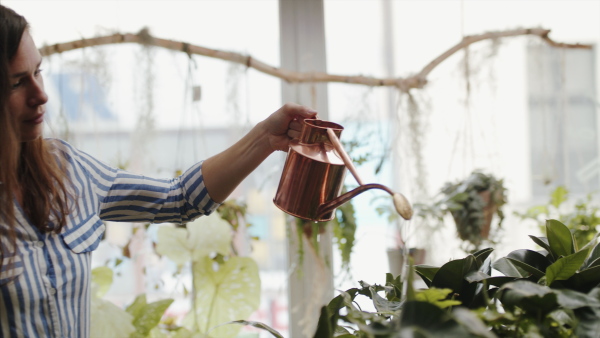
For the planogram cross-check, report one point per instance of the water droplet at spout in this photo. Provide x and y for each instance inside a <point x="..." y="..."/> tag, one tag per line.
<point x="402" y="206"/>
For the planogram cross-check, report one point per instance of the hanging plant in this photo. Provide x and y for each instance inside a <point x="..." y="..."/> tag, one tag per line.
<point x="472" y="203"/>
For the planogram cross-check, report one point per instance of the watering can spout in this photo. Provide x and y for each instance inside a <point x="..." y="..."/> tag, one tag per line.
<point x="400" y="202"/>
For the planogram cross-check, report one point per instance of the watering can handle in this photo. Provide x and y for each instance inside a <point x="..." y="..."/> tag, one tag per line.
<point x="340" y="150"/>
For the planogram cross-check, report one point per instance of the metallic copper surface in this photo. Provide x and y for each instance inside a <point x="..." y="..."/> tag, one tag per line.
<point x="313" y="175"/>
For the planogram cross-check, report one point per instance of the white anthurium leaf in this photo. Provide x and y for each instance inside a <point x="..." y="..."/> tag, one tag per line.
<point x="109" y="320"/>
<point x="229" y="294"/>
<point x="173" y="243"/>
<point x="207" y="235"/>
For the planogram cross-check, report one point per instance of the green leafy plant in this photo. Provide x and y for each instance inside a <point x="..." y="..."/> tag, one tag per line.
<point x="225" y="287"/>
<point x="472" y="204"/>
<point x="582" y="218"/>
<point x="551" y="293"/>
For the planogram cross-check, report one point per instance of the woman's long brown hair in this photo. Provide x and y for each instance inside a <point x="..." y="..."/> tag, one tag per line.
<point x="26" y="166"/>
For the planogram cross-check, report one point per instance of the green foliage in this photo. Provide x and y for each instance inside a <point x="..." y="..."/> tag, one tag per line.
<point x="102" y="278"/>
<point x="582" y="219"/>
<point x="226" y="287"/>
<point x="146" y="316"/>
<point x="553" y="293"/>
<point x="343" y="227"/>
<point x="467" y="201"/>
<point x="203" y="237"/>
<point x="108" y="320"/>
<point x="437" y="297"/>
<point x="225" y="294"/>
<point x="233" y="213"/>
<point x="344" y="230"/>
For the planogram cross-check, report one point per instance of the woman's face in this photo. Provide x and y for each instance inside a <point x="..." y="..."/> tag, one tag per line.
<point x="27" y="96"/>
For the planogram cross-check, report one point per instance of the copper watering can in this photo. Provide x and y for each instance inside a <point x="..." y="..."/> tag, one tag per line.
<point x="313" y="175"/>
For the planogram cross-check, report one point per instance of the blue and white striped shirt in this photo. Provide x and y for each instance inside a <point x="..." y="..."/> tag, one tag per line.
<point x="45" y="286"/>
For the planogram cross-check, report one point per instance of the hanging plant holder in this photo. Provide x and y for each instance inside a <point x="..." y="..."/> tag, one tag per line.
<point x="473" y="203"/>
<point x="476" y="226"/>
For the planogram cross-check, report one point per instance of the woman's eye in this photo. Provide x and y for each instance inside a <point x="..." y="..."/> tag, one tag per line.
<point x="37" y="72"/>
<point x="16" y="84"/>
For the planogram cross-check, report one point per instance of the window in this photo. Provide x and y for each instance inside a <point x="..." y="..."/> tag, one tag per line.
<point x="562" y="119"/>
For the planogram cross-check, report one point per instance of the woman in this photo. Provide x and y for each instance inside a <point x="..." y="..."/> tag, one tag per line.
<point x="54" y="197"/>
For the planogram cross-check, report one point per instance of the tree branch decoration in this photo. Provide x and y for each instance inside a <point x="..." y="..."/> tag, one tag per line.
<point x="417" y="81"/>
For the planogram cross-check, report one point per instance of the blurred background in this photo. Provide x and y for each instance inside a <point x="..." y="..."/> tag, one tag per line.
<point x="514" y="107"/>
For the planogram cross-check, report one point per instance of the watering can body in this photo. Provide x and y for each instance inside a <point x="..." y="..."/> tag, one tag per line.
<point x="313" y="173"/>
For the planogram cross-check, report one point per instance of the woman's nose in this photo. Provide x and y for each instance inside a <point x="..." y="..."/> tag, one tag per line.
<point x="37" y="94"/>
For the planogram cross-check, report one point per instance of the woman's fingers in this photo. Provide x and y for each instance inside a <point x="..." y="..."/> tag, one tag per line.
<point x="295" y="125"/>
<point x="293" y="134"/>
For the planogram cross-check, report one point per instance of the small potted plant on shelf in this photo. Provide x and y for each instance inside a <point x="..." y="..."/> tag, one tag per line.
<point x="472" y="203"/>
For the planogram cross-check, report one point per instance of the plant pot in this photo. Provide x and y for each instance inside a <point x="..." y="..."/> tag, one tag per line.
<point x="488" y="213"/>
<point x="396" y="258"/>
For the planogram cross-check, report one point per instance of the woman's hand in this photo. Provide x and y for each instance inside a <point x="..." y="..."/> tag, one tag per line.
<point x="285" y="124"/>
<point x="224" y="171"/>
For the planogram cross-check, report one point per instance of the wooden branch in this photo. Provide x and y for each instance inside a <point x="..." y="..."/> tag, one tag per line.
<point x="416" y="81"/>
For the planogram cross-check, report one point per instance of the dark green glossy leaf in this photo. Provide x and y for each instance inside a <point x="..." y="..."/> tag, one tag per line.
<point x="452" y="274"/>
<point x="333" y="308"/>
<point x="584" y="281"/>
<point x="592" y="258"/>
<point x="572" y="299"/>
<point x="499" y="280"/>
<point x="531" y="258"/>
<point x="430" y="318"/>
<point x="325" y="326"/>
<point x="482" y="254"/>
<point x="560" y="238"/>
<point x="476" y="276"/>
<point x="593" y="264"/>
<point x="505" y="266"/>
<point x="486" y="267"/>
<point x="531" y="297"/>
<point x="566" y="267"/>
<point x="523" y="268"/>
<point x="338" y="302"/>
<point x="471" y="322"/>
<point x="563" y="318"/>
<point x="427" y="272"/>
<point x="589" y="323"/>
<point x="543" y="242"/>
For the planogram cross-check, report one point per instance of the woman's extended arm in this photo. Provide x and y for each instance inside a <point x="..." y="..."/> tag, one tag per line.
<point x="226" y="170"/>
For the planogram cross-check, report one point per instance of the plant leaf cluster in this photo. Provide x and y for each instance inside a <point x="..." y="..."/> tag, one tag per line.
<point x="582" y="219"/>
<point x="465" y="201"/>
<point x="226" y="287"/>
<point x="554" y="292"/>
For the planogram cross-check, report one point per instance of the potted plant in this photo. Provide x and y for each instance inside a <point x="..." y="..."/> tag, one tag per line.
<point x="554" y="292"/>
<point x="472" y="203"/>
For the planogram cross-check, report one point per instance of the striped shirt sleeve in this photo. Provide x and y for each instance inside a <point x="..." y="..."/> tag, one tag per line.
<point x="127" y="197"/>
